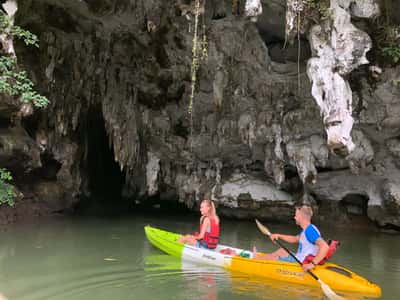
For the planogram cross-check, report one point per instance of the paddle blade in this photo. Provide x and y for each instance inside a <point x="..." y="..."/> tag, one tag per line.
<point x="262" y="228"/>
<point x="329" y="292"/>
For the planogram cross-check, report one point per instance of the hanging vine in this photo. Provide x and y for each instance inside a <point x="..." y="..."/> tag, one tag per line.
<point x="300" y="15"/>
<point x="196" y="49"/>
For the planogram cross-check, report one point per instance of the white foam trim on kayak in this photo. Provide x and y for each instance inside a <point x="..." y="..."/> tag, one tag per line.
<point x="206" y="256"/>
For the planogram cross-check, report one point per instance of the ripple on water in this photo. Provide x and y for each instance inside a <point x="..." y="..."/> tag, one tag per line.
<point x="71" y="285"/>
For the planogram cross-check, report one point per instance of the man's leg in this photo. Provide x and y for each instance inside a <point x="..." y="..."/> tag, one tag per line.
<point x="270" y="256"/>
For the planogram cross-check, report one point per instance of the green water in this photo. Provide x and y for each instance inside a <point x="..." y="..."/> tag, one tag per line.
<point x="96" y="258"/>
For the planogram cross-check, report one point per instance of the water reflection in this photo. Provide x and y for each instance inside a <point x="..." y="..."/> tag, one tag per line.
<point x="205" y="282"/>
<point x="199" y="282"/>
<point x="202" y="280"/>
<point x="263" y="288"/>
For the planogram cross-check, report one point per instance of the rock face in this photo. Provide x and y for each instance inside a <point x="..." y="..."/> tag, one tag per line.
<point x="247" y="197"/>
<point x="118" y="77"/>
<point x="338" y="48"/>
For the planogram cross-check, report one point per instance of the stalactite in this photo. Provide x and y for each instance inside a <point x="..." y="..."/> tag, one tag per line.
<point x="6" y="37"/>
<point x="253" y="9"/>
<point x="152" y="173"/>
<point x="338" y="48"/>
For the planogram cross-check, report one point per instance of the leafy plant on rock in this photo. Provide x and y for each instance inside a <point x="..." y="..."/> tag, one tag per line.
<point x="13" y="81"/>
<point x="7" y="193"/>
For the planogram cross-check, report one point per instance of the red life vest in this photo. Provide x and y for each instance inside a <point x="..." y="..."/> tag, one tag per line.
<point x="211" y="238"/>
<point x="333" y="246"/>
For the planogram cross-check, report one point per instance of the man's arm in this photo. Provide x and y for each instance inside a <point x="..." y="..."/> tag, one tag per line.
<point x="322" y="250"/>
<point x="292" y="239"/>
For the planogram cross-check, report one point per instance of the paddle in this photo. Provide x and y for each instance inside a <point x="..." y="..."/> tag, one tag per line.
<point x="325" y="288"/>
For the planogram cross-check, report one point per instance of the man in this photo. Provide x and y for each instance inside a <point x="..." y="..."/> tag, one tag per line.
<point x="309" y="239"/>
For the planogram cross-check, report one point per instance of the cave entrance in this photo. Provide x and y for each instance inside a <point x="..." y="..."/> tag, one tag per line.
<point x="355" y="204"/>
<point x="105" y="179"/>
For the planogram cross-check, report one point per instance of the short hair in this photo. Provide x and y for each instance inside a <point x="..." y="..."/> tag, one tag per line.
<point x="306" y="210"/>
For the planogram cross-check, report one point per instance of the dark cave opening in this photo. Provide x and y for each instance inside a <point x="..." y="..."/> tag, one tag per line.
<point x="355" y="204"/>
<point x="104" y="179"/>
<point x="49" y="169"/>
<point x="4" y="121"/>
<point x="292" y="184"/>
<point x="281" y="51"/>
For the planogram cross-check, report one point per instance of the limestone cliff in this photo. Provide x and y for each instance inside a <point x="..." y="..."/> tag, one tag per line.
<point x="118" y="77"/>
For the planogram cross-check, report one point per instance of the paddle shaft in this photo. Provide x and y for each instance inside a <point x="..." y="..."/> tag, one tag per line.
<point x="293" y="256"/>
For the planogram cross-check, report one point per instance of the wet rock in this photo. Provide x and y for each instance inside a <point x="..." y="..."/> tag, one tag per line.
<point x="347" y="195"/>
<point x="18" y="151"/>
<point x="244" y="196"/>
<point x="363" y="153"/>
<point x="289" y="53"/>
<point x="271" y="22"/>
<point x="394" y="147"/>
<point x="8" y="107"/>
<point x="365" y="8"/>
<point x="388" y="214"/>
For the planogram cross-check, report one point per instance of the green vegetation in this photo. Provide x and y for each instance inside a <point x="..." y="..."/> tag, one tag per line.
<point x="16" y="83"/>
<point x="388" y="40"/>
<point x="13" y="82"/>
<point x="386" y="36"/>
<point x="392" y="52"/>
<point x="320" y="7"/>
<point x="16" y="31"/>
<point x="7" y="193"/>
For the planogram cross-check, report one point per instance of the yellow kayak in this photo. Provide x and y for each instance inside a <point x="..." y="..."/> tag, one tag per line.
<point x="337" y="277"/>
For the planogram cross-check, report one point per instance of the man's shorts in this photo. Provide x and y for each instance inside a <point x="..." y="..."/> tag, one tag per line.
<point x="287" y="259"/>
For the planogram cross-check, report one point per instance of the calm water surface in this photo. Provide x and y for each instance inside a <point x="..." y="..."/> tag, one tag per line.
<point x="96" y="258"/>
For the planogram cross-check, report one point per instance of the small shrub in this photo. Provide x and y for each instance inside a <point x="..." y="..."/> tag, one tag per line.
<point x="392" y="52"/>
<point x="7" y="193"/>
<point x="14" y="82"/>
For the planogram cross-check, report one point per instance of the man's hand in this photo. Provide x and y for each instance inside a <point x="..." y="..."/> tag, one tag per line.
<point x="307" y="267"/>
<point x="274" y="236"/>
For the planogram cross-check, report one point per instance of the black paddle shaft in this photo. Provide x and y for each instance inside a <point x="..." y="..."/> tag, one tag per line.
<point x="292" y="255"/>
